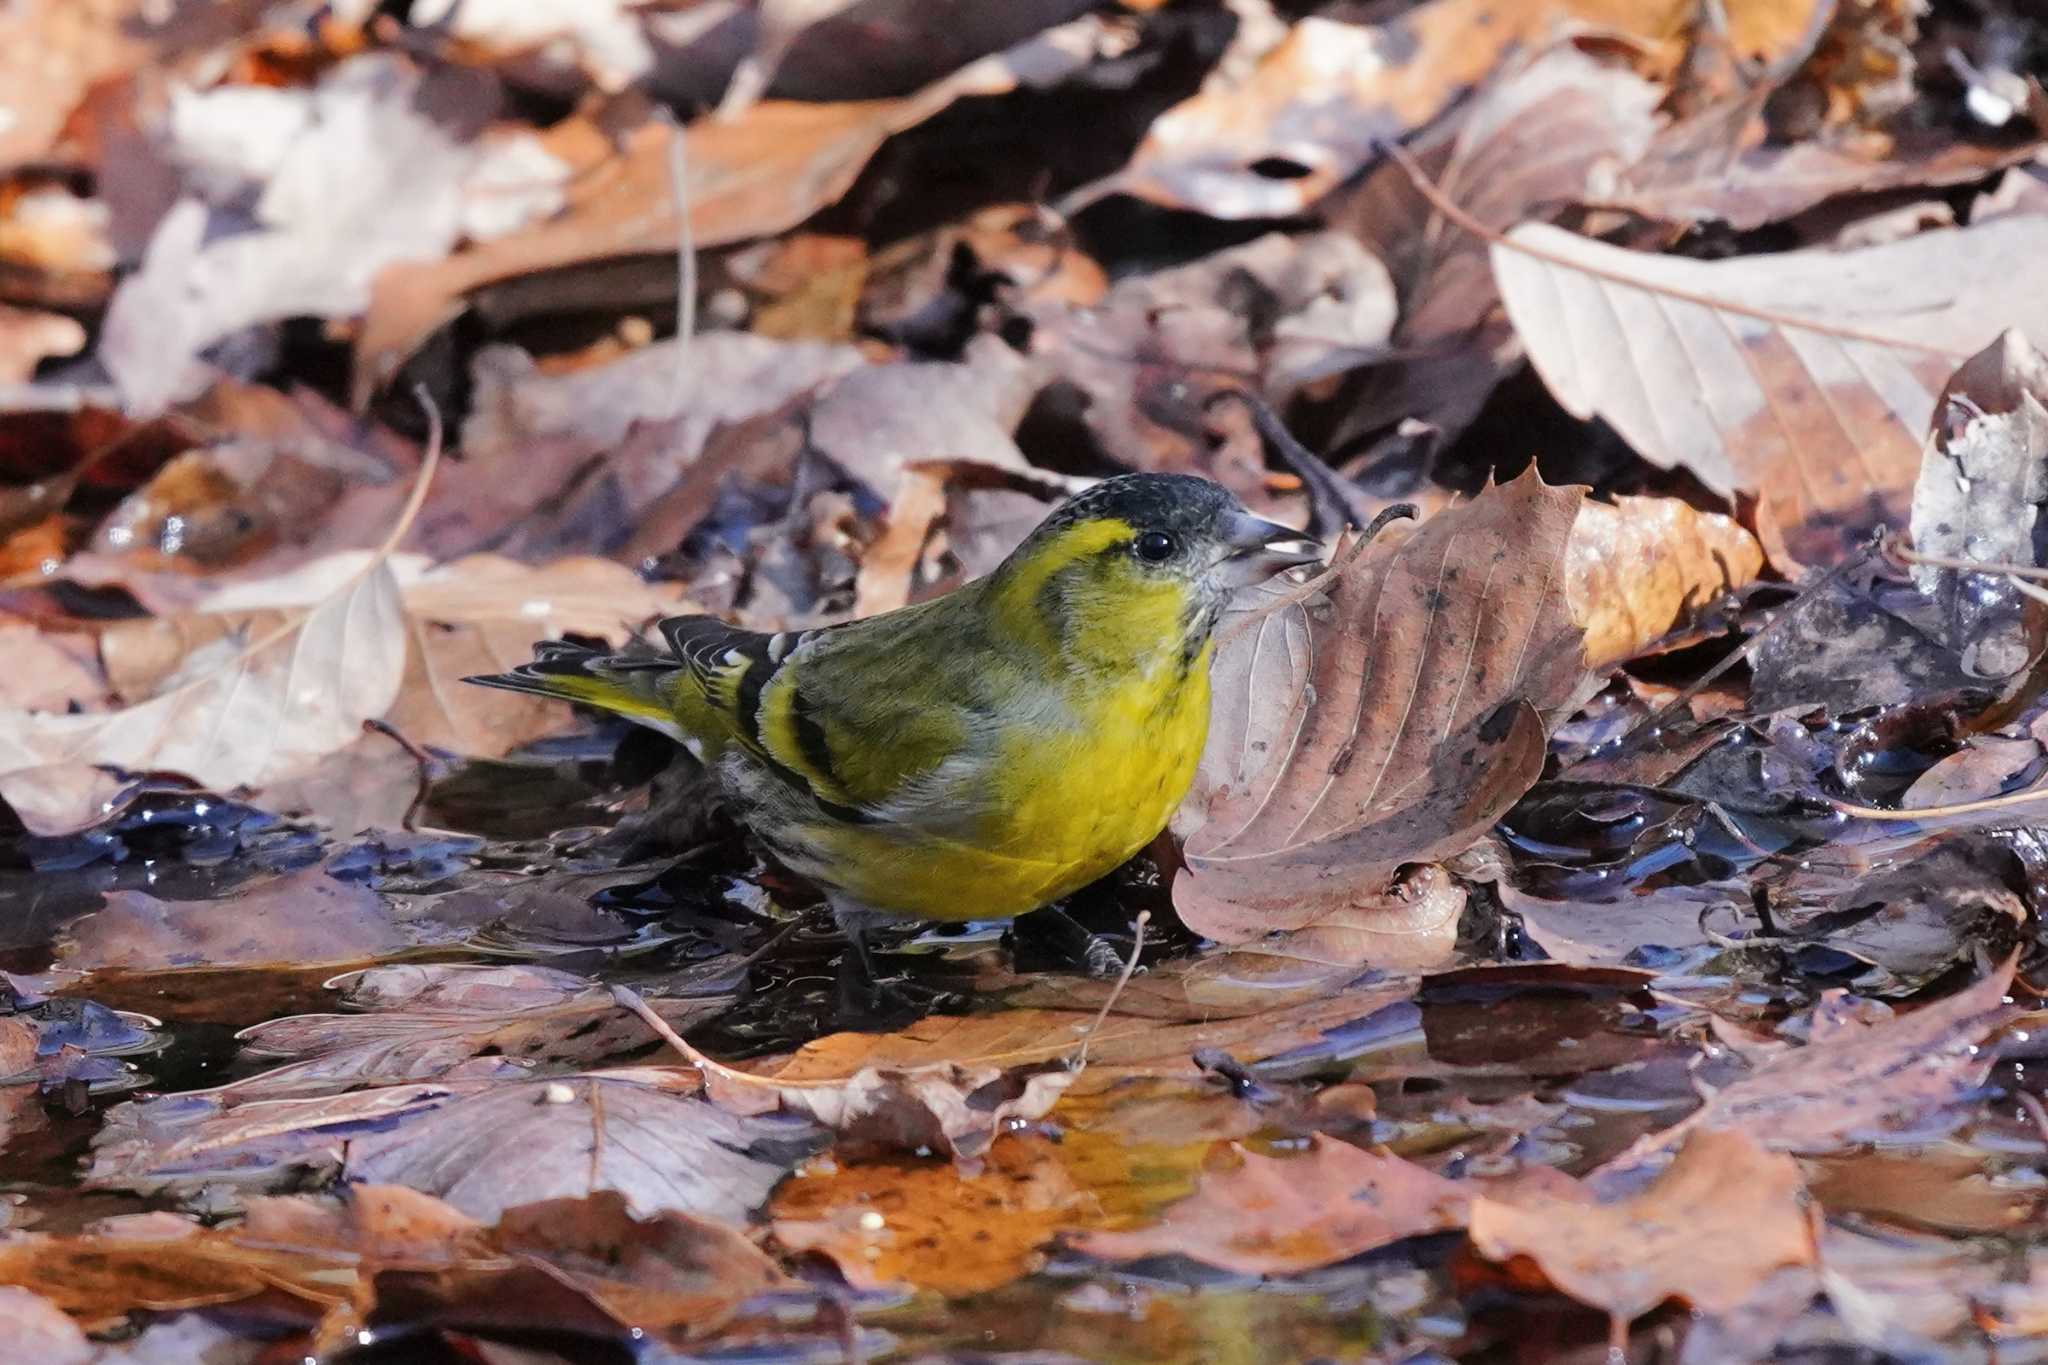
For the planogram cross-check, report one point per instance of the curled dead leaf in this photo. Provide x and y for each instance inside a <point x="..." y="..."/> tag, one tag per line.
<point x="1388" y="717"/>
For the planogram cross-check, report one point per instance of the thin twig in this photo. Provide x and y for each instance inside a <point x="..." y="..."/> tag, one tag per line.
<point x="1983" y="566"/>
<point x="686" y="247"/>
<point x="1319" y="583"/>
<point x="423" y="761"/>
<point x="1922" y="813"/>
<point x="1080" y="1061"/>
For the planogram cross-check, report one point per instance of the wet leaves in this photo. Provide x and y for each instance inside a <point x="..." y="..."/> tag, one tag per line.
<point x="1280" y="1215"/>
<point x="1540" y="956"/>
<point x="1708" y="1231"/>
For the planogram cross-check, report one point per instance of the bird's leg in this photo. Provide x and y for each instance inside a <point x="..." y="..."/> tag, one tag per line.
<point x="859" y="981"/>
<point x="1097" y="956"/>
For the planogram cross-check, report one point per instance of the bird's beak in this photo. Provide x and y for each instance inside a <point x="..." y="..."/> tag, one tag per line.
<point x="1256" y="549"/>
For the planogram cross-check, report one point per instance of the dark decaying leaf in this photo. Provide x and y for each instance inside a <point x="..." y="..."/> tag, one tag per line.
<point x="1859" y="1080"/>
<point x="302" y="917"/>
<point x="458" y="1022"/>
<point x="1389" y="718"/>
<point x="1982" y="485"/>
<point x="1860" y="640"/>
<point x="1807" y="377"/>
<point x="1954" y="903"/>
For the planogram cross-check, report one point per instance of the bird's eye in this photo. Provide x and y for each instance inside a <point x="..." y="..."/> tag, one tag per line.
<point x="1156" y="547"/>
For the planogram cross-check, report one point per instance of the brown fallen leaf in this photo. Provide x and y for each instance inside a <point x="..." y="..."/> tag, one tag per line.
<point x="1284" y="1215"/>
<point x="1707" y="1231"/>
<point x="669" y="1273"/>
<point x="454" y="1021"/>
<point x="28" y="338"/>
<point x="364" y="177"/>
<point x="965" y="513"/>
<point x="1773" y="183"/>
<point x="929" y="1225"/>
<point x="1857" y="1080"/>
<point x="1317" y="107"/>
<point x="1983" y="482"/>
<point x="1639" y="567"/>
<point x="757" y="174"/>
<point x="1388" y="718"/>
<point x="1944" y="1188"/>
<point x="263" y="680"/>
<point x="1410" y="926"/>
<point x="1808" y="377"/>
<point x="952" y="1108"/>
<point x="301" y="917"/>
<point x="619" y="434"/>
<point x="1157" y="1026"/>
<point x="1538" y="136"/>
<point x="51" y="52"/>
<point x="194" y="1140"/>
<point x="1272" y="315"/>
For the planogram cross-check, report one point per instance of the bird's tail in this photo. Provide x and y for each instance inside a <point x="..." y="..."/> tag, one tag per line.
<point x="638" y="687"/>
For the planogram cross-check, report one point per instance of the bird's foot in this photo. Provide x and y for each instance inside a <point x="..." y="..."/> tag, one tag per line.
<point x="895" y="998"/>
<point x="1086" y="949"/>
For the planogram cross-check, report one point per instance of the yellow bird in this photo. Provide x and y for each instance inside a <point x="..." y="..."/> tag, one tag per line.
<point x="979" y="755"/>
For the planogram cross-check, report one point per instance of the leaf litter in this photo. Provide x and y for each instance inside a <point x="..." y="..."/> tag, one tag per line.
<point x="1588" y="928"/>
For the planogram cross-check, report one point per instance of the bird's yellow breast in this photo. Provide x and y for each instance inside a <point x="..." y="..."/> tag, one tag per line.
<point x="1064" y="807"/>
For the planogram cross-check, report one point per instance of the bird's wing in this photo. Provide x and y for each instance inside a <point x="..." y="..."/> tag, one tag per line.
<point x="848" y="713"/>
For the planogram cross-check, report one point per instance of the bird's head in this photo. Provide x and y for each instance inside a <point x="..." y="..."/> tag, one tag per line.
<point x="1145" y="560"/>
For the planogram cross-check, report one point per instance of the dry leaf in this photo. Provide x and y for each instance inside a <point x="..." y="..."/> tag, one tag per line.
<point x="1539" y="136"/>
<point x="1808" y="377"/>
<point x="29" y="338"/>
<point x="1707" y="1231"/>
<point x="242" y="710"/>
<point x="51" y="52"/>
<point x="758" y="174"/>
<point x="302" y="917"/>
<point x="1284" y="1215"/>
<point x="1769" y="184"/>
<point x="947" y="1107"/>
<point x="1639" y="567"/>
<point x="1390" y="718"/>
<point x="41" y="1331"/>
<point x="263" y="680"/>
<point x="357" y="178"/>
<point x="460" y="1022"/>
<point x="1318" y="106"/>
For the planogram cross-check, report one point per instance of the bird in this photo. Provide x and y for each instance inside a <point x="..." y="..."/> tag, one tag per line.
<point x="978" y="755"/>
